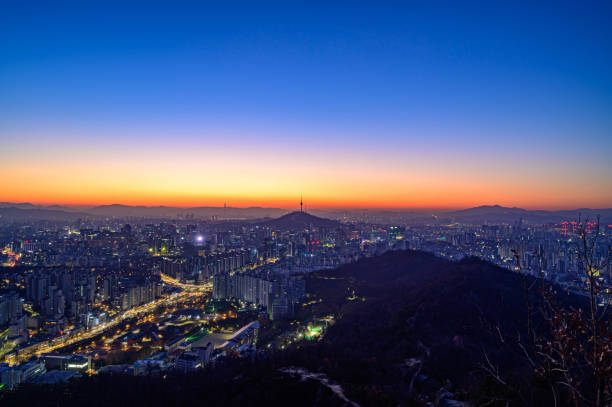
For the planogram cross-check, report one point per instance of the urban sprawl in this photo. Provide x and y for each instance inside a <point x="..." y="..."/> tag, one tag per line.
<point x="137" y="296"/>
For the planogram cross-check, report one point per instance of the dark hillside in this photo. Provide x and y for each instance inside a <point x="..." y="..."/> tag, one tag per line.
<point x="412" y="305"/>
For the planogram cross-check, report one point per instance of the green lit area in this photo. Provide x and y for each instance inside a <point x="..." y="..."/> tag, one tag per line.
<point x="196" y="334"/>
<point x="197" y="337"/>
<point x="314" y="332"/>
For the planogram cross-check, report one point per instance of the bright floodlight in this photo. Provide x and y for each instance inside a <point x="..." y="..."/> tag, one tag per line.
<point x="200" y="238"/>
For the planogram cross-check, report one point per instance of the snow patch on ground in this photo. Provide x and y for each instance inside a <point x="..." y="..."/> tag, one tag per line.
<point x="321" y="378"/>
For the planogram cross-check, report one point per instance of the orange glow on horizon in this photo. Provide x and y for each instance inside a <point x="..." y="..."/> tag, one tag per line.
<point x="391" y="191"/>
<point x="242" y="176"/>
<point x="314" y="202"/>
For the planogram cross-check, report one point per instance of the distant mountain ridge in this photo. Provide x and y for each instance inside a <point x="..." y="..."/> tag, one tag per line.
<point x="12" y="214"/>
<point x="140" y="211"/>
<point x="476" y="215"/>
<point x="496" y="213"/>
<point x="118" y="210"/>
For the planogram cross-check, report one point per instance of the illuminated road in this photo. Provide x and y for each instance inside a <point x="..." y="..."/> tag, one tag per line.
<point x="70" y="339"/>
<point x="173" y="282"/>
<point x="190" y="290"/>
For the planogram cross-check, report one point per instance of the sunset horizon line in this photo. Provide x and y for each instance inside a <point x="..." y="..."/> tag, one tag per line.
<point x="307" y="207"/>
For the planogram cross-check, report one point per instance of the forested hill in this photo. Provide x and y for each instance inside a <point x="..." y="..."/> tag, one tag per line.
<point x="411" y="307"/>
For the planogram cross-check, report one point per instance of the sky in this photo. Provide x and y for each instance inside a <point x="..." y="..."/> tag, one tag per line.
<point x="379" y="105"/>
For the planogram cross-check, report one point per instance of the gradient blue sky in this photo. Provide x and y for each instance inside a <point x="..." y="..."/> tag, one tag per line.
<point x="448" y="105"/>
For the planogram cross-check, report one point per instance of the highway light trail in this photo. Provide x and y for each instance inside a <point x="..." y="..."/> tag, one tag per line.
<point x="174" y="282"/>
<point x="73" y="338"/>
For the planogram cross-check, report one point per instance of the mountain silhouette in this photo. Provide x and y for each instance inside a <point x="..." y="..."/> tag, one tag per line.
<point x="299" y="221"/>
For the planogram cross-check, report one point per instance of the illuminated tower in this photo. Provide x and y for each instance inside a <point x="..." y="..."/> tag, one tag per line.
<point x="301" y="204"/>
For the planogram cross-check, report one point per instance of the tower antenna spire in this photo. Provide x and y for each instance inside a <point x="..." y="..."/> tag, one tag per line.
<point x="301" y="204"/>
